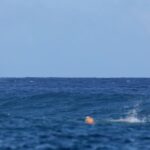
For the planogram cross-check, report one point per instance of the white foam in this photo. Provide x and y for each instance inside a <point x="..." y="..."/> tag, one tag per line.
<point x="132" y="117"/>
<point x="129" y="119"/>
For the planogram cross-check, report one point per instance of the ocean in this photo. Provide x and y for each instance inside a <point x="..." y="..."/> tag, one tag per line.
<point x="49" y="113"/>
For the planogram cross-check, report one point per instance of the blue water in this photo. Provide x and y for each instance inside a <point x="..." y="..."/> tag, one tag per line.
<point x="49" y="114"/>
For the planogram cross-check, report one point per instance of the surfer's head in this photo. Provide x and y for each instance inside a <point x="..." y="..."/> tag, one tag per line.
<point x="89" y="120"/>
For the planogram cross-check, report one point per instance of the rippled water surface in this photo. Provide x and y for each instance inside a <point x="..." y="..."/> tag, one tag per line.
<point x="49" y="113"/>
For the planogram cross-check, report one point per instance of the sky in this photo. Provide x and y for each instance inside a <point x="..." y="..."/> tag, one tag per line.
<point x="74" y="38"/>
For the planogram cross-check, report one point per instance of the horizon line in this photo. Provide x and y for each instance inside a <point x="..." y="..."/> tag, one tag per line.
<point x="71" y="77"/>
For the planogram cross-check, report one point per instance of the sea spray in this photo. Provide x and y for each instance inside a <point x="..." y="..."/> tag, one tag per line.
<point x="132" y="116"/>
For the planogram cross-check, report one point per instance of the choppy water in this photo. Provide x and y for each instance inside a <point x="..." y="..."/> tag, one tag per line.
<point x="49" y="113"/>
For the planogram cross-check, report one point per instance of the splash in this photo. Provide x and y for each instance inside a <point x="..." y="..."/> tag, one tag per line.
<point x="132" y="116"/>
<point x="129" y="119"/>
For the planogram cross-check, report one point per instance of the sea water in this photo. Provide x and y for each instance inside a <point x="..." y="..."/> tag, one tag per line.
<point x="49" y="114"/>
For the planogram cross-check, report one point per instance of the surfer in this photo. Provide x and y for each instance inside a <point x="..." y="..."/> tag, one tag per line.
<point x="89" y="120"/>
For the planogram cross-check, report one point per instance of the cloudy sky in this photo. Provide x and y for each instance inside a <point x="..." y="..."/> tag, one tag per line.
<point x="75" y="38"/>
